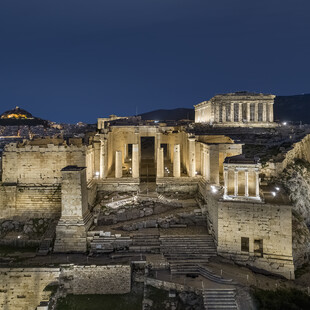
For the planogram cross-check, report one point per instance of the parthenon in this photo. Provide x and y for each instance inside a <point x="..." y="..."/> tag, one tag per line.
<point x="237" y="109"/>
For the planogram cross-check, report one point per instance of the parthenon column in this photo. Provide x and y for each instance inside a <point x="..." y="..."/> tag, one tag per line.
<point x="177" y="161"/>
<point x="248" y="111"/>
<point x="232" y="112"/>
<point x="240" y="112"/>
<point x="135" y="161"/>
<point x="225" y="181"/>
<point x="118" y="164"/>
<point x="223" y="113"/>
<point x="192" y="157"/>
<point x="257" y="184"/>
<point x="256" y="112"/>
<point x="246" y="183"/>
<point x="236" y="182"/>
<point x="264" y="112"/>
<point x="271" y="112"/>
<point x="160" y="163"/>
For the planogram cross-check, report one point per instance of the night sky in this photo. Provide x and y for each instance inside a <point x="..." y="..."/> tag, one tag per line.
<point x="76" y="60"/>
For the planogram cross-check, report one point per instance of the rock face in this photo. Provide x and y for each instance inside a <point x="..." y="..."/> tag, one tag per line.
<point x="296" y="180"/>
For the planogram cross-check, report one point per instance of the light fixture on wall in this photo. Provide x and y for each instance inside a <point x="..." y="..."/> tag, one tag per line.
<point x="213" y="189"/>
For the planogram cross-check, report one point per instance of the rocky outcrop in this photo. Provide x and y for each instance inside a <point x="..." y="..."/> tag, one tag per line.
<point x="296" y="180"/>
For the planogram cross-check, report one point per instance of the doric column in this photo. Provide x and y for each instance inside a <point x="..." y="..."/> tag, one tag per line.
<point x="125" y="152"/>
<point x="240" y="112"/>
<point x="264" y="116"/>
<point x="248" y="111"/>
<point x="157" y="144"/>
<point x="135" y="161"/>
<point x="236" y="182"/>
<point x="217" y="113"/>
<point x="103" y="159"/>
<point x="271" y="112"/>
<point x="207" y="165"/>
<point x="225" y="181"/>
<point x="118" y="164"/>
<point x="214" y="164"/>
<point x="256" y="112"/>
<point x="223" y="113"/>
<point x="257" y="184"/>
<point x="192" y="157"/>
<point x="246" y="183"/>
<point x="176" y="161"/>
<point x="160" y="163"/>
<point x="232" y="112"/>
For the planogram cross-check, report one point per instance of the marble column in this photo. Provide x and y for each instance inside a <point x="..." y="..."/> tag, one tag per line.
<point x="214" y="164"/>
<point x="248" y="111"/>
<point x="118" y="164"/>
<point x="270" y="112"/>
<point x="264" y="116"/>
<point x="240" y="113"/>
<point x="217" y="113"/>
<point x="103" y="171"/>
<point x="257" y="184"/>
<point x="225" y="181"/>
<point x="135" y="161"/>
<point x="160" y="163"/>
<point x="236" y="182"/>
<point x="246" y="183"/>
<point x="223" y="113"/>
<point x="207" y="165"/>
<point x="232" y="112"/>
<point x="125" y="152"/>
<point x="176" y="161"/>
<point x="256" y="112"/>
<point x="192" y="157"/>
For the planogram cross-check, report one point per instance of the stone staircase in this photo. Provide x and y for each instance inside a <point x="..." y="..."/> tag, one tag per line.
<point x="48" y="239"/>
<point x="145" y="243"/>
<point x="194" y="269"/>
<point x="224" y="299"/>
<point x="195" y="249"/>
<point x="100" y="243"/>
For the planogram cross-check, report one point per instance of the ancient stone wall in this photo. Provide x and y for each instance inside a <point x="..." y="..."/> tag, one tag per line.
<point x="111" y="279"/>
<point x="272" y="224"/>
<point x="39" y="164"/>
<point x="23" y="288"/>
<point x="29" y="201"/>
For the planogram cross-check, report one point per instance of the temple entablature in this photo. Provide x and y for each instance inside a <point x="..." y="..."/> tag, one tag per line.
<point x="241" y="178"/>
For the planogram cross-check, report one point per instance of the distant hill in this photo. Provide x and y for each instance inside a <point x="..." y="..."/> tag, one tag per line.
<point x="175" y="114"/>
<point x="292" y="108"/>
<point x="286" y="108"/>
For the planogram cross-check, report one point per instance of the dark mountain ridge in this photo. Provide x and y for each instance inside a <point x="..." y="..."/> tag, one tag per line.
<point x="294" y="108"/>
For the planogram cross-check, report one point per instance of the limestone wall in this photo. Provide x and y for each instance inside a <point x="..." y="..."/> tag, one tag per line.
<point x="39" y="164"/>
<point x="111" y="279"/>
<point x="270" y="223"/>
<point x="23" y="289"/>
<point x="29" y="201"/>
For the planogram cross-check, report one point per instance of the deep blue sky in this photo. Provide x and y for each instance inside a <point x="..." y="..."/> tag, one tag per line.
<point x="76" y="60"/>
